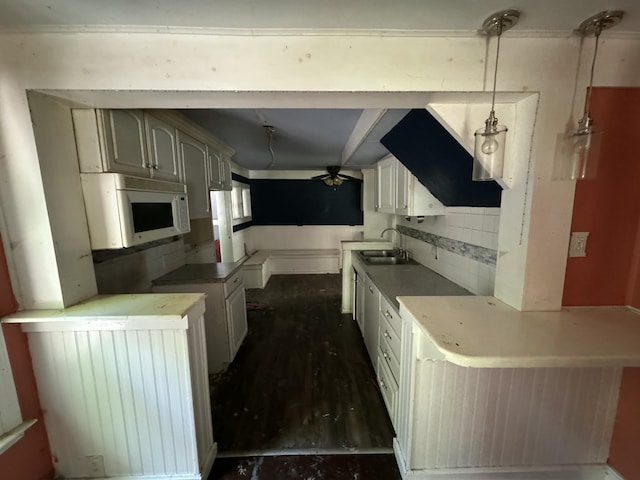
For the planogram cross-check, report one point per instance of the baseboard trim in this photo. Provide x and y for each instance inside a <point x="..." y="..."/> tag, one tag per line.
<point x="560" y="472"/>
<point x="612" y="474"/>
<point x="305" y="451"/>
<point x="208" y="462"/>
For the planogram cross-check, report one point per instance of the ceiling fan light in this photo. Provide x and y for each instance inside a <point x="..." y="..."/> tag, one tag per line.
<point x="328" y="181"/>
<point x="337" y="181"/>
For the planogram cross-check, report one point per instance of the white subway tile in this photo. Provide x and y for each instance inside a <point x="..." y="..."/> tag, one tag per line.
<point x="476" y="238"/>
<point x="477" y="222"/>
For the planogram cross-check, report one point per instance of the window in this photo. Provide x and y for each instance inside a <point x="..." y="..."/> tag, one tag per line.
<point x="240" y="201"/>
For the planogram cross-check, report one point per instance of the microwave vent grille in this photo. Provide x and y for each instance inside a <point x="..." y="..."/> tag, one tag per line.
<point x="136" y="183"/>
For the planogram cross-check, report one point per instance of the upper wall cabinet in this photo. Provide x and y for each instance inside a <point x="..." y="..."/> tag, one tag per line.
<point x="163" y="149"/>
<point x="196" y="166"/>
<point x="126" y="141"/>
<point x="400" y="193"/>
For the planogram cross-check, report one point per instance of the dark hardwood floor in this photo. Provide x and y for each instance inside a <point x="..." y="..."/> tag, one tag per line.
<point x="302" y="381"/>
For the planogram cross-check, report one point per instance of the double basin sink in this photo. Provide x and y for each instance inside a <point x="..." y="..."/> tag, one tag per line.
<point x="385" y="257"/>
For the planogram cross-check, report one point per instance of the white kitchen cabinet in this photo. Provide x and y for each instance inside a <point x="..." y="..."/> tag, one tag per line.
<point x="386" y="183"/>
<point x="360" y="296"/>
<point x="111" y="141"/>
<point x="163" y="149"/>
<point x="225" y="318"/>
<point x="225" y="168"/>
<point x="195" y="167"/>
<point x="215" y="168"/>
<point x="372" y="319"/>
<point x="126" y="141"/>
<point x="123" y="386"/>
<point x="399" y="192"/>
<point x="236" y="313"/>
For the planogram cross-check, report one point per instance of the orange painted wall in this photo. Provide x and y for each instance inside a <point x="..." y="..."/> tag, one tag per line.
<point x="608" y="207"/>
<point x="30" y="458"/>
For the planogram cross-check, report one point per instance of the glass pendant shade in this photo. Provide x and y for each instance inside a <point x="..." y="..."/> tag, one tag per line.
<point x="489" y="148"/>
<point x="488" y="152"/>
<point x="577" y="154"/>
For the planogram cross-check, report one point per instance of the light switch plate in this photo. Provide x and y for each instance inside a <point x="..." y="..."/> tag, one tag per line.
<point x="578" y="244"/>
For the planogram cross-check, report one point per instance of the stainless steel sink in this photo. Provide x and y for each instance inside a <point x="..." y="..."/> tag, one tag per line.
<point x="388" y="261"/>
<point x="378" y="253"/>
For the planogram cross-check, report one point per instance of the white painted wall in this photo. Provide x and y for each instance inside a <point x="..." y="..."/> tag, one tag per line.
<point x="294" y="237"/>
<point x="181" y="70"/>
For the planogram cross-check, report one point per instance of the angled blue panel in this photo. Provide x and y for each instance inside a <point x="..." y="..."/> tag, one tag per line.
<point x="439" y="162"/>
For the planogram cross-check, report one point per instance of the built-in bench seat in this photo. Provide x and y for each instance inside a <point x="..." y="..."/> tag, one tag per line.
<point x="259" y="267"/>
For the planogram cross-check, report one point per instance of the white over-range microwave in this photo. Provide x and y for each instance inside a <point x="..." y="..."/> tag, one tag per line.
<point x="123" y="211"/>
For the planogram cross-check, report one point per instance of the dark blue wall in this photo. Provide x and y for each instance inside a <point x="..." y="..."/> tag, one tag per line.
<point x="439" y="162"/>
<point x="305" y="202"/>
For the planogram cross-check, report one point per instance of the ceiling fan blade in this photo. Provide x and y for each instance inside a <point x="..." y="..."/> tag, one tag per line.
<point x="320" y="177"/>
<point x="349" y="177"/>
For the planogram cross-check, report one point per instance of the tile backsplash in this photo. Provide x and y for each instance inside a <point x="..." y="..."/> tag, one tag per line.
<point x="460" y="245"/>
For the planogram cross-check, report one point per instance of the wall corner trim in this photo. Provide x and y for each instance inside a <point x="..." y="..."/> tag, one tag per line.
<point x="13" y="436"/>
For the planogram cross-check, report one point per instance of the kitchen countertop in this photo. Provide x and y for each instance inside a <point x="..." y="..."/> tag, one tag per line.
<point x="199" y="273"/>
<point x="484" y="332"/>
<point x="409" y="280"/>
<point x="116" y="311"/>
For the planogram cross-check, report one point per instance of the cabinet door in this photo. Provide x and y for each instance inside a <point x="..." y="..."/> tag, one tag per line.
<point x="125" y="142"/>
<point x="237" y="319"/>
<point x="402" y="189"/>
<point x="163" y="150"/>
<point x="386" y="185"/>
<point x="226" y="173"/>
<point x="195" y="174"/>
<point x="360" y="299"/>
<point x="372" y="320"/>
<point x="215" y="170"/>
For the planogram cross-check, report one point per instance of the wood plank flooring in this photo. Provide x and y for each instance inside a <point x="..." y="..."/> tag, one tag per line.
<point x="302" y="380"/>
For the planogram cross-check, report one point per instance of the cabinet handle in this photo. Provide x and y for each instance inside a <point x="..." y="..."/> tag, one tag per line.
<point x="385" y="355"/>
<point x="387" y="314"/>
<point x="384" y="385"/>
<point x="149" y="166"/>
<point x="155" y="167"/>
<point x="371" y="289"/>
<point x="236" y="280"/>
<point x="386" y="334"/>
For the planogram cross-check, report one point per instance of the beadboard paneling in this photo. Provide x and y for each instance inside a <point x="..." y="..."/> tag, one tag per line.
<point x="512" y="417"/>
<point x="123" y="395"/>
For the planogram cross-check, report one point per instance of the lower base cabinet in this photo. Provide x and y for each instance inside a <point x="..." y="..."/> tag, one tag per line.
<point x="500" y="422"/>
<point x="125" y="394"/>
<point x="225" y="319"/>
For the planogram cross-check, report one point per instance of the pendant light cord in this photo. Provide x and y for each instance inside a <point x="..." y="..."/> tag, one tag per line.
<point x="587" y="100"/>
<point x="495" y="72"/>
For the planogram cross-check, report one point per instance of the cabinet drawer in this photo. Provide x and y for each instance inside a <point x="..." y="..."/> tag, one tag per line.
<point x="232" y="283"/>
<point x="390" y="336"/>
<point x="389" y="390"/>
<point x="391" y="314"/>
<point x="390" y="359"/>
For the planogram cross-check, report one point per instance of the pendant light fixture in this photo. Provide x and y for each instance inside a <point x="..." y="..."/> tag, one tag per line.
<point x="578" y="151"/>
<point x="488" y="153"/>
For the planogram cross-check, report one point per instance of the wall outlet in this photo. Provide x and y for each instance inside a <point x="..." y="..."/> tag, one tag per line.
<point x="578" y="244"/>
<point x="95" y="465"/>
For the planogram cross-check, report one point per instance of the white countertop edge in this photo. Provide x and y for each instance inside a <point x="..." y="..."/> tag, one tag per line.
<point x="438" y="351"/>
<point x="121" y="323"/>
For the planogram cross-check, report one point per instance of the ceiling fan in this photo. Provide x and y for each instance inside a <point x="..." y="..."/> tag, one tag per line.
<point x="334" y="178"/>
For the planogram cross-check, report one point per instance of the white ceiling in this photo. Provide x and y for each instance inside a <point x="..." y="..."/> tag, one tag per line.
<point x="464" y="15"/>
<point x="303" y="138"/>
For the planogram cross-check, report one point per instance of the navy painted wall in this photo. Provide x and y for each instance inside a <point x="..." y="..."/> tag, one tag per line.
<point x="439" y="162"/>
<point x="305" y="202"/>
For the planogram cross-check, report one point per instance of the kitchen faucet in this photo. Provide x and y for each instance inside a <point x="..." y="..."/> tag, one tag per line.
<point x="403" y="253"/>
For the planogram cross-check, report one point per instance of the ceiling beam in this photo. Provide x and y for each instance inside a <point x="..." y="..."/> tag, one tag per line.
<point x="367" y="121"/>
